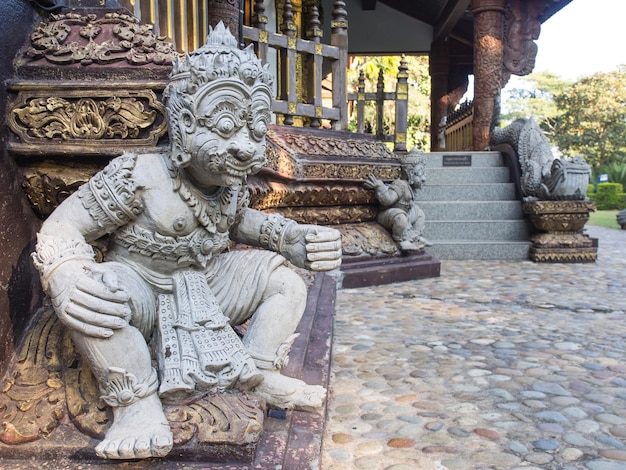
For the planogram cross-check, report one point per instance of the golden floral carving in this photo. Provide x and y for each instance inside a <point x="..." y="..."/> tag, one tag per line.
<point x="51" y="384"/>
<point x="368" y="239"/>
<point x="47" y="185"/>
<point x="120" y="117"/>
<point x="87" y="39"/>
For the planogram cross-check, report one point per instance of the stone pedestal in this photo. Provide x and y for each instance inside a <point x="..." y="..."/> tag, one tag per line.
<point x="559" y="237"/>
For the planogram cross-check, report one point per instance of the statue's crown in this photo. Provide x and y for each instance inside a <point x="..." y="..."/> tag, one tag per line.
<point x="220" y="57"/>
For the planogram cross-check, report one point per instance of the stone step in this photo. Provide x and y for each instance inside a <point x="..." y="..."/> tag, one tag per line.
<point x="459" y="175"/>
<point x="472" y="210"/>
<point x="473" y="250"/>
<point x="467" y="192"/>
<point x="478" y="159"/>
<point x="512" y="230"/>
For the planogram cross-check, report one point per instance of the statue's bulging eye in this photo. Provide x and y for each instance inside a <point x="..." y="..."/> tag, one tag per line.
<point x="259" y="125"/>
<point x="225" y="125"/>
<point x="259" y="130"/>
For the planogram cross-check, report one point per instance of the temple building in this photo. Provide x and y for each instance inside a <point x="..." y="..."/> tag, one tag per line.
<point x="84" y="82"/>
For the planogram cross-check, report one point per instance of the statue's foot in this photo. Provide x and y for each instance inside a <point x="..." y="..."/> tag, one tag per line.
<point x="287" y="393"/>
<point x="139" y="431"/>
<point x="409" y="247"/>
<point x="424" y="241"/>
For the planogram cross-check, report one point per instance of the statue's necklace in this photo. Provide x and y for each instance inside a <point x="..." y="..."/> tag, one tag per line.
<point x="205" y="208"/>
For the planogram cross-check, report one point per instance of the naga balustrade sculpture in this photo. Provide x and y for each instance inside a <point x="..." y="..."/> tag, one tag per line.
<point x="168" y="282"/>
<point x="554" y="192"/>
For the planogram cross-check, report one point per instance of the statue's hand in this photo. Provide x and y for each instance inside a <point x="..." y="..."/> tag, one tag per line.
<point x="313" y="247"/>
<point x="88" y="298"/>
<point x="371" y="182"/>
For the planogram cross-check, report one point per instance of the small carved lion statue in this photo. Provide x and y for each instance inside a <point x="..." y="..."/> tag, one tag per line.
<point x="169" y="291"/>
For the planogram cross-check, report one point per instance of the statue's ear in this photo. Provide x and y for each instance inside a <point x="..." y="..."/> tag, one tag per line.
<point x="187" y="121"/>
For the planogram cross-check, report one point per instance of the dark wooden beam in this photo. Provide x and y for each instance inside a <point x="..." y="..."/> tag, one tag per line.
<point x="451" y="13"/>
<point x="368" y="4"/>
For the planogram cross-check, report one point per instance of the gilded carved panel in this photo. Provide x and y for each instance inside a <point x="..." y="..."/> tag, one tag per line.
<point x="101" y="120"/>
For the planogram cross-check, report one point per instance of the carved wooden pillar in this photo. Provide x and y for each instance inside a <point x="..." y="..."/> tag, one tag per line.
<point x="226" y="11"/>
<point x="439" y="70"/>
<point x="488" y="55"/>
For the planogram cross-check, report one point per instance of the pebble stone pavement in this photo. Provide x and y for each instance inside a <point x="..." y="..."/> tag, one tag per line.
<point x="493" y="365"/>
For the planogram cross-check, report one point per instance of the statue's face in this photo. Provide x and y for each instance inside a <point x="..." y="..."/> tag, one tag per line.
<point x="415" y="174"/>
<point x="228" y="141"/>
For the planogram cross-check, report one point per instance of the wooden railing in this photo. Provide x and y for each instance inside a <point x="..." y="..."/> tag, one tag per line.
<point x="317" y="57"/>
<point x="185" y="23"/>
<point x="401" y="99"/>
<point x="456" y="133"/>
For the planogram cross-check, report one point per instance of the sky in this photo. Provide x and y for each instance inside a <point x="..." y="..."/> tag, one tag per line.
<point x="585" y="37"/>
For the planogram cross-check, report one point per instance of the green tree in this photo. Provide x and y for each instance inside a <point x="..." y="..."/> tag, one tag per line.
<point x="592" y="119"/>
<point x="534" y="97"/>
<point x="418" y="133"/>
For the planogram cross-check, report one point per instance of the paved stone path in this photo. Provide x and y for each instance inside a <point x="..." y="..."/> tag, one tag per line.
<point x="494" y="365"/>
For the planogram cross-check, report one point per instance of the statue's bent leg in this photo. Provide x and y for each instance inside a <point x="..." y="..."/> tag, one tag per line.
<point x="269" y="337"/>
<point x="128" y="382"/>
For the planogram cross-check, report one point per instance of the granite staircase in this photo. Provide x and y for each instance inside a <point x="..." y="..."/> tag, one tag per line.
<point x="471" y="208"/>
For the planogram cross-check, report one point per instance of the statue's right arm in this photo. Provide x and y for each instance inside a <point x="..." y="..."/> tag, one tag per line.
<point x="87" y="296"/>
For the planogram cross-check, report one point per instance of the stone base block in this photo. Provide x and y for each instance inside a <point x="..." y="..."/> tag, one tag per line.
<point x="385" y="270"/>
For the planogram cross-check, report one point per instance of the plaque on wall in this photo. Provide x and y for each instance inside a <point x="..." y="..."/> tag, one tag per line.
<point x="457" y="160"/>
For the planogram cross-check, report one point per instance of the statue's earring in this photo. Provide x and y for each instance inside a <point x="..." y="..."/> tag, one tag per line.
<point x="187" y="126"/>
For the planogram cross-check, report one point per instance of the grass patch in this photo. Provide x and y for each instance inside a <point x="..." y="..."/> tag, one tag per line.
<point x="603" y="219"/>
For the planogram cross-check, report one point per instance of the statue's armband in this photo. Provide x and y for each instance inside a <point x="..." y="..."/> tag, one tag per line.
<point x="273" y="232"/>
<point x="110" y="196"/>
<point x="52" y="252"/>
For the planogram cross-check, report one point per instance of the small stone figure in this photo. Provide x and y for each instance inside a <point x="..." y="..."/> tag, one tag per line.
<point x="400" y="212"/>
<point x="168" y="283"/>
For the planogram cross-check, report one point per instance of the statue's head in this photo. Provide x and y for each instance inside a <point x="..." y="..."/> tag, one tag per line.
<point x="218" y="110"/>
<point x="414" y="168"/>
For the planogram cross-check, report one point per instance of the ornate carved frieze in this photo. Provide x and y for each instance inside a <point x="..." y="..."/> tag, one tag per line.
<point x="329" y="215"/>
<point x="266" y="194"/>
<point x="84" y="118"/>
<point x="86" y="39"/>
<point x="314" y="155"/>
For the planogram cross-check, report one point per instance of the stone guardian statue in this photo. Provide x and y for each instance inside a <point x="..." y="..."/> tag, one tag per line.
<point x="169" y="291"/>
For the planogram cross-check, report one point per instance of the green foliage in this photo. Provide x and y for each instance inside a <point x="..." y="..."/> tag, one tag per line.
<point x="418" y="132"/>
<point x="616" y="173"/>
<point x="535" y="97"/>
<point x="586" y="117"/>
<point x="610" y="196"/>
<point x="603" y="219"/>
<point x="592" y="119"/>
